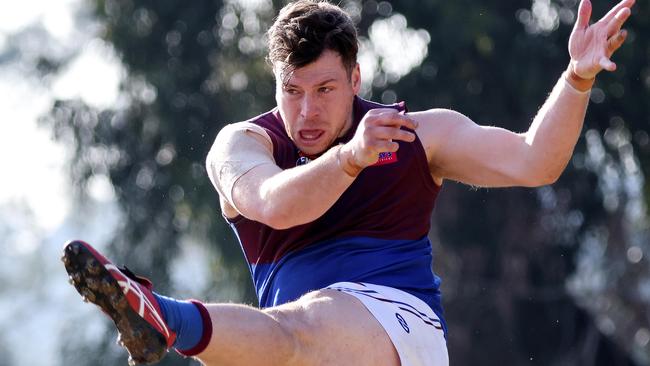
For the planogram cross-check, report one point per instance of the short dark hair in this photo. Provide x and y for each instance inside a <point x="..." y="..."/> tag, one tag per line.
<point x="306" y="28"/>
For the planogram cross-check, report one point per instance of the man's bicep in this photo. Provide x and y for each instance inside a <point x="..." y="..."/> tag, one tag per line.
<point x="238" y="151"/>
<point x="461" y="150"/>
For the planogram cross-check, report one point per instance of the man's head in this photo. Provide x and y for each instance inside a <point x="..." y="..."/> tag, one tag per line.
<point x="305" y="28"/>
<point x="313" y="50"/>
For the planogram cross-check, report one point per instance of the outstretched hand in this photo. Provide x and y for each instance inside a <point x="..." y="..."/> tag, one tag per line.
<point x="592" y="46"/>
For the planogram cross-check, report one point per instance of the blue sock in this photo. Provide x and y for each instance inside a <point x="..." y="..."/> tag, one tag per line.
<point x="184" y="319"/>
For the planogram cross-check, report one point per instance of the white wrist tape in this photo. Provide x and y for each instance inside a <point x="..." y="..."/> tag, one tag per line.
<point x="236" y="150"/>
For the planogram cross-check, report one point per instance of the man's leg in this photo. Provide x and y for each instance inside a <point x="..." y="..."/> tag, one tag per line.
<point x="324" y="327"/>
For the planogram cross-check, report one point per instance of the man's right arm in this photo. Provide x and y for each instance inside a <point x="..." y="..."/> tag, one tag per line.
<point x="249" y="182"/>
<point x="242" y="169"/>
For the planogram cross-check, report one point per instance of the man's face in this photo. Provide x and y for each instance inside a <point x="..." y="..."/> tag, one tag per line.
<point x="315" y="101"/>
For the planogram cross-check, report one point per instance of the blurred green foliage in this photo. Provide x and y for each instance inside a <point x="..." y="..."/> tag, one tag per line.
<point x="530" y="276"/>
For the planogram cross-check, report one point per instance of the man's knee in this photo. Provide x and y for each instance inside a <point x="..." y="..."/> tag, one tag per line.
<point x="303" y="321"/>
<point x="326" y="322"/>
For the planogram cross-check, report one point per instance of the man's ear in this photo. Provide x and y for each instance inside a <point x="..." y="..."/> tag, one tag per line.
<point x="355" y="78"/>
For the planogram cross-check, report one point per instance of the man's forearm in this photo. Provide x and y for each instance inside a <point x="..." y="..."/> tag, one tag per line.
<point x="555" y="130"/>
<point x="302" y="194"/>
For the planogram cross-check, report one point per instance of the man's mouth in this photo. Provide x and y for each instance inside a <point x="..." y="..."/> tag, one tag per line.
<point x="310" y="135"/>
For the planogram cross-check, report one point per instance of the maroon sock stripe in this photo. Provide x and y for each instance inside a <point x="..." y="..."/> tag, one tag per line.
<point x="207" y="331"/>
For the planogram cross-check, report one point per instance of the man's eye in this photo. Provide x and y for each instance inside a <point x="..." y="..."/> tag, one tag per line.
<point x="325" y="89"/>
<point x="291" y="91"/>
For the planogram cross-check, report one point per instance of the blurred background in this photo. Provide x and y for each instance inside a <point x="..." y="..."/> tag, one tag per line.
<point x="110" y="106"/>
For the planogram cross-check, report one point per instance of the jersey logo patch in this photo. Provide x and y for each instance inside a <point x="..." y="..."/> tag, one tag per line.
<point x="386" y="158"/>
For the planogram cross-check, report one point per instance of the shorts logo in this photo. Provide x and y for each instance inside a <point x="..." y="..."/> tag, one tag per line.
<point x="386" y="158"/>
<point x="403" y="322"/>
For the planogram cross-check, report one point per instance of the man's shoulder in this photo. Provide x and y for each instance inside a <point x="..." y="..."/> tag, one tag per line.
<point x="234" y="134"/>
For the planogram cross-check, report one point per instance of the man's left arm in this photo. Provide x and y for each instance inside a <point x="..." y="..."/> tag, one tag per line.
<point x="461" y="150"/>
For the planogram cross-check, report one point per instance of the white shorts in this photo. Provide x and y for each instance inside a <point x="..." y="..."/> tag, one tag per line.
<point x="412" y="326"/>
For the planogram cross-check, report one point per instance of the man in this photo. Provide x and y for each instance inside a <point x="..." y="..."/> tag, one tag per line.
<point x="330" y="196"/>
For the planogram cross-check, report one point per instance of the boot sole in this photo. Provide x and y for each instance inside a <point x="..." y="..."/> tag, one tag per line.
<point x="96" y="285"/>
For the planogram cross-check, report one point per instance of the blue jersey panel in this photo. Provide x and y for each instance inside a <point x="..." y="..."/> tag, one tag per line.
<point x="402" y="264"/>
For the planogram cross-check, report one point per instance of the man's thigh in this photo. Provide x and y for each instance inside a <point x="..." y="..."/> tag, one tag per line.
<point x="334" y="328"/>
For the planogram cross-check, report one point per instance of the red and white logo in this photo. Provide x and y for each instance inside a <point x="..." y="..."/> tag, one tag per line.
<point x="386" y="158"/>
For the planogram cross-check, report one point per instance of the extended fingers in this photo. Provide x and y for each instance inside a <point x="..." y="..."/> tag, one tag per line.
<point x="612" y="45"/>
<point x="615" y="42"/>
<point x="617" y="21"/>
<point x="584" y="14"/>
<point x="615" y="10"/>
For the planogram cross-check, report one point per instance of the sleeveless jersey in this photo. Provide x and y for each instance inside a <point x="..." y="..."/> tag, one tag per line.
<point x="376" y="232"/>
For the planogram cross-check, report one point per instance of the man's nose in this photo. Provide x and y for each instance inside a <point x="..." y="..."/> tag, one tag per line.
<point x="310" y="107"/>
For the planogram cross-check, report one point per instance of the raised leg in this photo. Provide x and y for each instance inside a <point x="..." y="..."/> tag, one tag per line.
<point x="324" y="327"/>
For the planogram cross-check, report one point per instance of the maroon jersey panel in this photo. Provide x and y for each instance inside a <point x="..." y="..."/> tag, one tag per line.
<point x="390" y="200"/>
